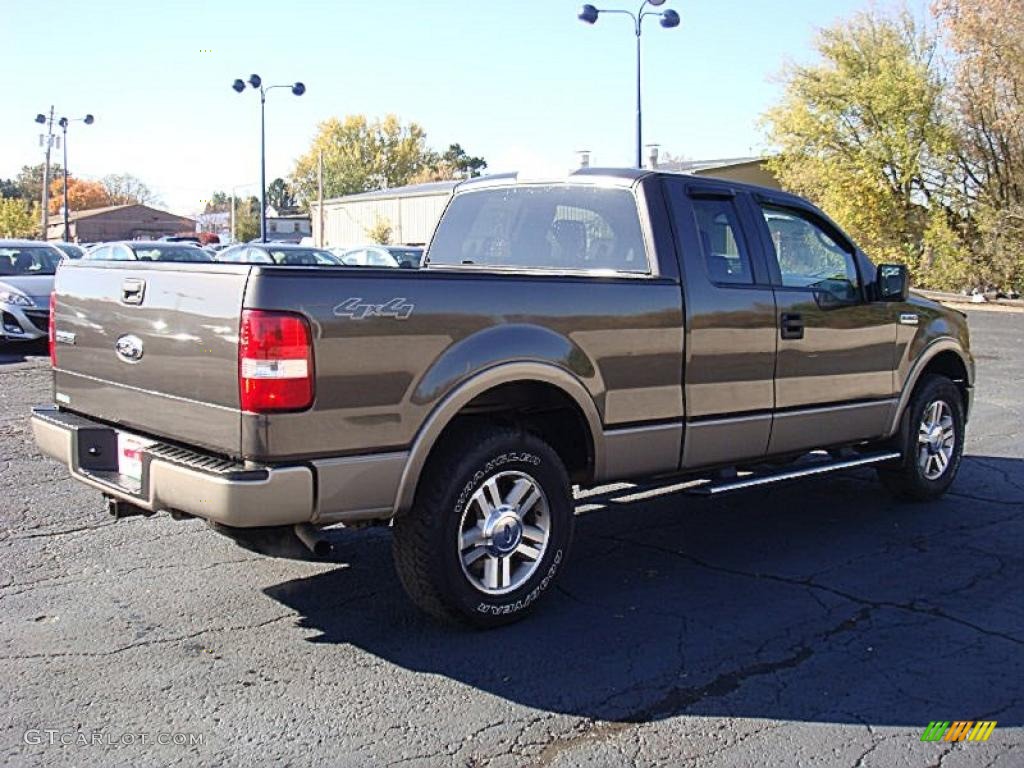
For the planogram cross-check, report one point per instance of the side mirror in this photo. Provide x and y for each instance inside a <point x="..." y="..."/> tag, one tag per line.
<point x="893" y="282"/>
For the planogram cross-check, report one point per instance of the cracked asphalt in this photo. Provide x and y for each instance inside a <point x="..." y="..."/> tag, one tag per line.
<point x="817" y="624"/>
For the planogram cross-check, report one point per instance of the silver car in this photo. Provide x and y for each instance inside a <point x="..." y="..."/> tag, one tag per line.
<point x="27" y="268"/>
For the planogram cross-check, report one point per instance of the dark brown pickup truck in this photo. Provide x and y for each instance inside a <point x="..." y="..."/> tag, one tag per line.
<point x="610" y="325"/>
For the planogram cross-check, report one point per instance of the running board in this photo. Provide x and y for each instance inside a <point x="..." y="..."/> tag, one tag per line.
<point x="712" y="488"/>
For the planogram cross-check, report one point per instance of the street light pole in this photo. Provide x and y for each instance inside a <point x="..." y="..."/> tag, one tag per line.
<point x="46" y="139"/>
<point x="257" y="82"/>
<point x="63" y="123"/>
<point x="669" y="19"/>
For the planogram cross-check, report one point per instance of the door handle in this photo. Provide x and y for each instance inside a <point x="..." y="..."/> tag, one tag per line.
<point x="792" y="326"/>
<point x="133" y="290"/>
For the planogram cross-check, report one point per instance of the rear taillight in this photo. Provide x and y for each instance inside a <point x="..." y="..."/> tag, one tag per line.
<point x="53" y="329"/>
<point x="275" y="362"/>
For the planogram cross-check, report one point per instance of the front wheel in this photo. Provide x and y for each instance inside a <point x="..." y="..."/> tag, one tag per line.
<point x="489" y="529"/>
<point x="931" y="440"/>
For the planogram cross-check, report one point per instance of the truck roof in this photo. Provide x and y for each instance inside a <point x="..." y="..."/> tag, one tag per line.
<point x="613" y="177"/>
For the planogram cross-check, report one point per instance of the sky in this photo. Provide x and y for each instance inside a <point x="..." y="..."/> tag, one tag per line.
<point x="522" y="83"/>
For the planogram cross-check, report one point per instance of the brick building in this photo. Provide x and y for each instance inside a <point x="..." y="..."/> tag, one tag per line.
<point x="119" y="222"/>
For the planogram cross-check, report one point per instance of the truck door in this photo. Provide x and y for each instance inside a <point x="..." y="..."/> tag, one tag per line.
<point x="730" y="324"/>
<point x="833" y="380"/>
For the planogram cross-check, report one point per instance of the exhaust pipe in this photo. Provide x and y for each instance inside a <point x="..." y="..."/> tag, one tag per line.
<point x="312" y="539"/>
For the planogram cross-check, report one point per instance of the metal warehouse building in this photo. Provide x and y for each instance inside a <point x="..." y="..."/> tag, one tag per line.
<point x="411" y="212"/>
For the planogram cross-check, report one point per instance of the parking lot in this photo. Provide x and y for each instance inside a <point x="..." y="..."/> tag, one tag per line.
<point x="812" y="623"/>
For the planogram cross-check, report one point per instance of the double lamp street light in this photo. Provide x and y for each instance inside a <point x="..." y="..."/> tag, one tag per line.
<point x="47" y="141"/>
<point x="256" y="82"/>
<point x="668" y="19"/>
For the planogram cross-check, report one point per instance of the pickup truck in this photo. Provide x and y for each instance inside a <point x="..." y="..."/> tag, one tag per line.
<point x="610" y="325"/>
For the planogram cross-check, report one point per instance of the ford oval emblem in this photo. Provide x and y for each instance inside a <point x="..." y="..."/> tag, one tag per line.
<point x="129" y="348"/>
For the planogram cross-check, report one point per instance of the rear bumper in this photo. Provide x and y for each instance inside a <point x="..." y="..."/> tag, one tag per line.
<point x="230" y="493"/>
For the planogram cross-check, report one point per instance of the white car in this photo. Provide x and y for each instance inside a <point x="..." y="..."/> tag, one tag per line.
<point x="366" y="256"/>
<point x="27" y="268"/>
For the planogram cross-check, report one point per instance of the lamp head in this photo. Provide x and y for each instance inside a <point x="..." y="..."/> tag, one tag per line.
<point x="255" y="81"/>
<point x="89" y="119"/>
<point x="655" y="2"/>
<point x="298" y="89"/>
<point x="588" y="14"/>
<point x="238" y="85"/>
<point x="669" y="19"/>
<point x="40" y="119"/>
<point x="63" y="122"/>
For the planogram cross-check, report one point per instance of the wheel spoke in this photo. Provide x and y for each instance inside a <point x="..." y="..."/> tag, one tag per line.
<point x="530" y="553"/>
<point x="941" y="462"/>
<point x="522" y="485"/>
<point x="491" y="572"/>
<point x="527" y="505"/>
<point x="473" y="555"/>
<point x="506" y="571"/>
<point x="533" y="533"/>
<point x="474" y="537"/>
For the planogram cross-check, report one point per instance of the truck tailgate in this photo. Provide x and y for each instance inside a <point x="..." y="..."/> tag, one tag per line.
<point x="152" y="346"/>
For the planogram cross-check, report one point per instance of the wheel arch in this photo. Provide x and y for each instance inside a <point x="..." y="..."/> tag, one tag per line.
<point x="944" y="357"/>
<point x="529" y="374"/>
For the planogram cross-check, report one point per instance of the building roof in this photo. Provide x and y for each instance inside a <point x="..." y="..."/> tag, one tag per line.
<point x="91" y="212"/>
<point x="412" y="190"/>
<point x="696" y="166"/>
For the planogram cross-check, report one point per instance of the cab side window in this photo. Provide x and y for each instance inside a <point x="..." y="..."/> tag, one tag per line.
<point x="808" y="256"/>
<point x="721" y="239"/>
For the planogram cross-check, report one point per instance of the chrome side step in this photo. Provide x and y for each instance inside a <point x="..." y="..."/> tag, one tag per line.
<point x="712" y="488"/>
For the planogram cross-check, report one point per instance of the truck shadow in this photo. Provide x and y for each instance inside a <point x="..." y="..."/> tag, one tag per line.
<point x="817" y="601"/>
<point x="20" y="351"/>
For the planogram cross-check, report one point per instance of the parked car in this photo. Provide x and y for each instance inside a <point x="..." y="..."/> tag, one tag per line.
<point x="70" y="250"/>
<point x="612" y="325"/>
<point x="286" y="254"/>
<point x="380" y="256"/>
<point x="146" y="250"/>
<point x="27" y="268"/>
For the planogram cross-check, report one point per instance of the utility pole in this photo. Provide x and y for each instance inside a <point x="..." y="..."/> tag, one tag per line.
<point x="46" y="140"/>
<point x="320" y="197"/>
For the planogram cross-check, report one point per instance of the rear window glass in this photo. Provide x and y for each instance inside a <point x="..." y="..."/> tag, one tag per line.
<point x="542" y="227"/>
<point x="28" y="260"/>
<point x="171" y="253"/>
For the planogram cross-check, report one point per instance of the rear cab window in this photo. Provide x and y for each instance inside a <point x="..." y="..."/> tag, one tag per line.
<point x="721" y="238"/>
<point x="560" y="227"/>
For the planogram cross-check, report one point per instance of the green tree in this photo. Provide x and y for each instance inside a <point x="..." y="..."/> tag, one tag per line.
<point x="453" y="163"/>
<point x="280" y="195"/>
<point x="247" y="219"/>
<point x="360" y="155"/>
<point x="380" y="232"/>
<point x="219" y="202"/>
<point x="865" y="133"/>
<point x="9" y="188"/>
<point x="18" y="218"/>
<point x="30" y="180"/>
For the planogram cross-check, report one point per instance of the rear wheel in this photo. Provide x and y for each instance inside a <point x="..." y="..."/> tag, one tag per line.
<point x="489" y="529"/>
<point x="931" y="439"/>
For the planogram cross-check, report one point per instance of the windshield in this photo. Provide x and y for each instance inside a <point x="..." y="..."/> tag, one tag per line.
<point x="411" y="256"/>
<point x="301" y="257"/>
<point x="70" y="250"/>
<point x="171" y="253"/>
<point x="28" y="260"/>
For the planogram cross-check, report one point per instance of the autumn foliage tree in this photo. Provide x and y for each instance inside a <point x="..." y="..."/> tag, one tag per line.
<point x="83" y="195"/>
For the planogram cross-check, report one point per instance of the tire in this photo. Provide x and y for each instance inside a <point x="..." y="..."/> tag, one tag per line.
<point x="450" y="548"/>
<point x="929" y="464"/>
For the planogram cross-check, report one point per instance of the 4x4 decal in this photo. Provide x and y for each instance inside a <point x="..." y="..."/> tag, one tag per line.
<point x="398" y="308"/>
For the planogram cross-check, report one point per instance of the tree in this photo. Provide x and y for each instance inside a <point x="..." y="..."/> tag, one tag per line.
<point x="987" y="40"/>
<point x="380" y="232"/>
<point x="125" y="189"/>
<point x="83" y="195"/>
<point x="866" y="134"/>
<point x="280" y="196"/>
<point x="247" y="219"/>
<point x="18" y="218"/>
<point x="453" y="163"/>
<point x="360" y="155"/>
<point x="9" y="188"/>
<point x="218" y="203"/>
<point x="30" y="180"/>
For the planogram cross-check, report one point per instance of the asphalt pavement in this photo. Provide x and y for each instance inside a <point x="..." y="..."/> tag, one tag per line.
<point x="815" y="623"/>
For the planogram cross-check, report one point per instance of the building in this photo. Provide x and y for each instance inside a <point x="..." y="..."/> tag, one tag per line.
<point x="411" y="212"/>
<point x="119" y="222"/>
<point x="749" y="170"/>
<point x="287" y="226"/>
